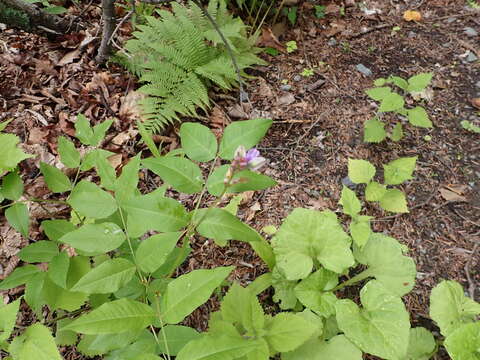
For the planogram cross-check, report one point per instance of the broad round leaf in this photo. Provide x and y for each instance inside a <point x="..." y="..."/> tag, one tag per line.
<point x="91" y="201"/>
<point x="198" y="141"/>
<point x="314" y="292"/>
<point x="394" y="200"/>
<point x="349" y="201"/>
<point x="338" y="347"/>
<point x="114" y="317"/>
<point x="247" y="133"/>
<point x="400" y="170"/>
<point x="95" y="239"/>
<point x="419" y="117"/>
<point x="287" y="331"/>
<point x="381" y="327"/>
<point x="375" y="191"/>
<point x="464" y="342"/>
<point x="421" y="344"/>
<point x="106" y="278"/>
<point x="391" y="102"/>
<point x="182" y="174"/>
<point x="360" y="171"/>
<point x="419" y="82"/>
<point x="374" y="131"/>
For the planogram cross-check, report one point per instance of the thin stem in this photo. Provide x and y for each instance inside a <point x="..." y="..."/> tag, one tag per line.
<point x="357" y="278"/>
<point x="157" y="305"/>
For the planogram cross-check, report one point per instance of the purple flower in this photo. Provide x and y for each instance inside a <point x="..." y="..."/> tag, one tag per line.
<point x="248" y="159"/>
<point x="252" y="154"/>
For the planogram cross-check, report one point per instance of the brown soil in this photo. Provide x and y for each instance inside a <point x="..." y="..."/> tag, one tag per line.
<point x="310" y="141"/>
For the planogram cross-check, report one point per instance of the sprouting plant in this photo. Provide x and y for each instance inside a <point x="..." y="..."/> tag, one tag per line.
<point x="469" y="126"/>
<point x="291" y="46"/>
<point x="319" y="11"/>
<point x="473" y="4"/>
<point x="307" y="72"/>
<point x="179" y="55"/>
<point x="395" y="173"/>
<point x="393" y="102"/>
<point x="291" y="13"/>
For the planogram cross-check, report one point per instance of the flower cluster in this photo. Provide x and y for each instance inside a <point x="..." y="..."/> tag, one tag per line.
<point x="250" y="159"/>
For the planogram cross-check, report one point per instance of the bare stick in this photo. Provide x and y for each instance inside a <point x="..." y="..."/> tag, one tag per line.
<point x="108" y="8"/>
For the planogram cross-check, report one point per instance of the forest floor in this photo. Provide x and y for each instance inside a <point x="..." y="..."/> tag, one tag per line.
<point x="318" y="126"/>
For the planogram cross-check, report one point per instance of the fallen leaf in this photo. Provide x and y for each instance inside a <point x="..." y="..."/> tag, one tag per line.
<point x="268" y="39"/>
<point x="69" y="57"/>
<point x="476" y="102"/>
<point x="264" y="90"/>
<point x="115" y="160"/>
<point x="129" y="106"/>
<point x="332" y="9"/>
<point x="286" y="99"/>
<point x="453" y="193"/>
<point x="412" y="15"/>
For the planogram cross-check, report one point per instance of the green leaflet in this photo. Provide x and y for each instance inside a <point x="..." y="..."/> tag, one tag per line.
<point x="126" y="184"/>
<point x="374" y="131"/>
<point x="349" y="201"/>
<point x="400" y="170"/>
<point x="88" y="135"/>
<point x="58" y="269"/>
<point x="91" y="201"/>
<point x="198" y="141"/>
<point x="69" y="155"/>
<point x="11" y="154"/>
<point x="421" y="344"/>
<point x="65" y="337"/>
<point x="8" y="318"/>
<point x="287" y="331"/>
<point x="19" y="276"/>
<point x="397" y="132"/>
<point x="284" y="290"/>
<point x="360" y="230"/>
<point x="419" y="82"/>
<point x="18" y="217"/>
<point x="40" y="251"/>
<point x="338" y="347"/>
<point x="155" y="250"/>
<point x="385" y="260"/>
<point x="34" y="295"/>
<point x="314" y="292"/>
<point x="106" y="278"/>
<point x="450" y="308"/>
<point x="187" y="292"/>
<point x="375" y="191"/>
<point x="182" y="174"/>
<point x="56" y="180"/>
<point x="381" y="327"/>
<point x="247" y="133"/>
<point x="306" y="235"/>
<point x="394" y="200"/>
<point x="360" y="171"/>
<point x="12" y="186"/>
<point x="95" y="239"/>
<point x="114" y="317"/>
<point x="55" y="229"/>
<point x="177" y="337"/>
<point x="463" y="343"/>
<point x="35" y="343"/>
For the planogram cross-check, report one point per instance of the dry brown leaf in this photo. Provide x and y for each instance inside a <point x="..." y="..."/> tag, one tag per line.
<point x="69" y="57"/>
<point x="453" y="193"/>
<point x="412" y="15"/>
<point x="332" y="9"/>
<point x="264" y="90"/>
<point x="115" y="160"/>
<point x="286" y="99"/>
<point x="129" y="105"/>
<point x="268" y="39"/>
<point x="476" y="102"/>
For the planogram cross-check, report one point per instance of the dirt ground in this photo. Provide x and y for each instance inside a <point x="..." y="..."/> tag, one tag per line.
<point x="318" y="125"/>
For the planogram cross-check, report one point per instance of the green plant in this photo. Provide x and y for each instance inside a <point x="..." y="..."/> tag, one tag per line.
<point x="291" y="14"/>
<point x="291" y="46"/>
<point x="14" y="17"/>
<point x="469" y="126"/>
<point x="320" y="11"/>
<point x="390" y="101"/>
<point x="307" y="72"/>
<point x="395" y="173"/>
<point x="473" y="4"/>
<point x="179" y="55"/>
<point x="48" y="8"/>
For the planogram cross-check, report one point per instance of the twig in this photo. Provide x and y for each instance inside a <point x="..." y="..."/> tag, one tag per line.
<point x="452" y="16"/>
<point x="120" y="23"/>
<point x="471" y="283"/>
<point x="369" y="30"/>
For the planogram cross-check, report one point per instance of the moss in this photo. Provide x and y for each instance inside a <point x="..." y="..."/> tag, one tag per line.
<point x="13" y="17"/>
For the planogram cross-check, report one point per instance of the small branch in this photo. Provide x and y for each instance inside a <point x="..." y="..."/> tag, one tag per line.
<point x="471" y="283"/>
<point x="108" y="16"/>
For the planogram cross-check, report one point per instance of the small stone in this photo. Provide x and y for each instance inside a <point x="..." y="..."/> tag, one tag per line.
<point x="364" y="70"/>
<point x="243" y="96"/>
<point x="286" y="87"/>
<point x="348" y="183"/>
<point x="477" y="84"/>
<point x="470" y="31"/>
<point x="297" y="78"/>
<point x="412" y="34"/>
<point x="471" y="57"/>
<point x="450" y="20"/>
<point x="332" y="42"/>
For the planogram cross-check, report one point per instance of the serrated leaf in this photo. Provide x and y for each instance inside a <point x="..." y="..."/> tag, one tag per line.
<point x="12" y="186"/>
<point x="91" y="201"/>
<point x="450" y="308"/>
<point x="151" y="212"/>
<point x="198" y="141"/>
<point x="378" y="93"/>
<point x="56" y="180"/>
<point x="217" y="348"/>
<point x="40" y="251"/>
<point x="114" y="317"/>
<point x="374" y="131"/>
<point x="69" y="155"/>
<point x="176" y="338"/>
<point x="391" y="102"/>
<point x="187" y="292"/>
<point x="401" y="83"/>
<point x="19" y="276"/>
<point x="240" y="306"/>
<point x="95" y="239"/>
<point x="155" y="250"/>
<point x="463" y="342"/>
<point x="384" y="258"/>
<point x="287" y="331"/>
<point x="35" y="343"/>
<point x="381" y="327"/>
<point x="338" y="347"/>
<point x="419" y="82"/>
<point x="421" y="344"/>
<point x="247" y="133"/>
<point x="360" y="230"/>
<point x="284" y="290"/>
<point x="394" y="200"/>
<point x="34" y="293"/>
<point x="349" y="201"/>
<point x="306" y="235"/>
<point x="400" y="170"/>
<point x="106" y="278"/>
<point x="314" y="292"/>
<point x="11" y="154"/>
<point x="65" y="337"/>
<point x="419" y="117"/>
<point x="360" y="171"/>
<point x="18" y="217"/>
<point x="375" y="191"/>
<point x="182" y="174"/>
<point x="397" y="132"/>
<point x="8" y="318"/>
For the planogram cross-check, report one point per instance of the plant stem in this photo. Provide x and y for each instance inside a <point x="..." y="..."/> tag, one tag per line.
<point x="357" y="278"/>
<point x="157" y="305"/>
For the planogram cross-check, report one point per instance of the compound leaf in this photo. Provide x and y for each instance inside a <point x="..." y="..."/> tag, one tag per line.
<point x="91" y="201"/>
